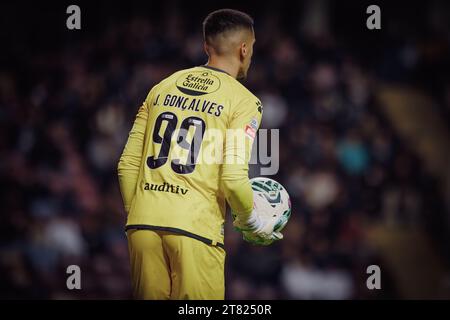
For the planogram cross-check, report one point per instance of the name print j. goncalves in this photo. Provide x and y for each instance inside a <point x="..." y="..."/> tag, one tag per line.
<point x="165" y="187"/>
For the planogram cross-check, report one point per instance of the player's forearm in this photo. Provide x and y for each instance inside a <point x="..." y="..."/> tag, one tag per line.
<point x="236" y="184"/>
<point x="127" y="183"/>
<point x="238" y="191"/>
<point x="131" y="159"/>
<point x="128" y="170"/>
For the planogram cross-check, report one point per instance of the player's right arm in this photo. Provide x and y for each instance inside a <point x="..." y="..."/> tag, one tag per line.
<point x="238" y="192"/>
<point x="235" y="180"/>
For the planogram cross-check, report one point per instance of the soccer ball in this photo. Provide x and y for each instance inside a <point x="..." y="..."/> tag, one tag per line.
<point x="271" y="201"/>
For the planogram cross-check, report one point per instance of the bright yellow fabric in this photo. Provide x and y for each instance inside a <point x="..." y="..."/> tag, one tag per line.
<point x="171" y="266"/>
<point x="195" y="201"/>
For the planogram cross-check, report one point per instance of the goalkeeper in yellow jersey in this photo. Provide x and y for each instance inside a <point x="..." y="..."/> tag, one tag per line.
<point x="186" y="156"/>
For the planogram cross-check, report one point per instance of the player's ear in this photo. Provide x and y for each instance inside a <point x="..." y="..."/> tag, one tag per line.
<point x="206" y="48"/>
<point x="243" y="50"/>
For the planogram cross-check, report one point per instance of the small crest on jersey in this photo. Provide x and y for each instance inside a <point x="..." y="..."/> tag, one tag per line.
<point x="197" y="83"/>
<point x="254" y="123"/>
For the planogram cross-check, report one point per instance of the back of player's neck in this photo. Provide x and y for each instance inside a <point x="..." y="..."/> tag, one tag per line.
<point x="223" y="66"/>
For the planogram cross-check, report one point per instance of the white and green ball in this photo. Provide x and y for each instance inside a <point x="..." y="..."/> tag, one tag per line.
<point x="271" y="200"/>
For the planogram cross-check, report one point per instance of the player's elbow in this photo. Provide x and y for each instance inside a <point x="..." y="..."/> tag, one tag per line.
<point x="122" y="165"/>
<point x="232" y="185"/>
<point x="128" y="162"/>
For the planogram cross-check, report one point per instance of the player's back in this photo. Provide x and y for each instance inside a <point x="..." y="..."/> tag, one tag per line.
<point x="188" y="115"/>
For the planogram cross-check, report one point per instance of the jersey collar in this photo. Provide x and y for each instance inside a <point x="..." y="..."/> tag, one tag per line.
<point x="216" y="69"/>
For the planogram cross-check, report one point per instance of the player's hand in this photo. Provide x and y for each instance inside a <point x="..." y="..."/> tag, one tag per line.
<point x="261" y="241"/>
<point x="253" y="223"/>
<point x="256" y="230"/>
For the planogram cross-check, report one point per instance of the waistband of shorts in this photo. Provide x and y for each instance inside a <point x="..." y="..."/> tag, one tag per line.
<point x="174" y="230"/>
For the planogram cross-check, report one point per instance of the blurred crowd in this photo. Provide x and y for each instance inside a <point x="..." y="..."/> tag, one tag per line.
<point x="340" y="159"/>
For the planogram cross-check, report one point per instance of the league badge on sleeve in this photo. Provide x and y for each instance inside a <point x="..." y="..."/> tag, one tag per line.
<point x="251" y="128"/>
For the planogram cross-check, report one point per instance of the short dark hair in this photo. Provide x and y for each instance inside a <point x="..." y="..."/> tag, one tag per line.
<point x="223" y="20"/>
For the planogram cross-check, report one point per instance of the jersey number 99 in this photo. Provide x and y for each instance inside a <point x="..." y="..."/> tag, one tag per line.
<point x="165" y="141"/>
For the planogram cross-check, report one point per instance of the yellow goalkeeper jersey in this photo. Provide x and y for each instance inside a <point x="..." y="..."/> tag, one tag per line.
<point x="187" y="154"/>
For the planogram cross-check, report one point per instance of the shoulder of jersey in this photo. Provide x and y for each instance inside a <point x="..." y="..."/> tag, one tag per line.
<point x="173" y="76"/>
<point x="243" y="91"/>
<point x="245" y="94"/>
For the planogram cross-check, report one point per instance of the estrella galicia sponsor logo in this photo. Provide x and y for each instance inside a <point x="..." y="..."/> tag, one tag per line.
<point x="197" y="83"/>
<point x="165" y="187"/>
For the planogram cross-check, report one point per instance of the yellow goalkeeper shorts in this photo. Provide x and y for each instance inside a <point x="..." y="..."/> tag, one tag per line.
<point x="167" y="265"/>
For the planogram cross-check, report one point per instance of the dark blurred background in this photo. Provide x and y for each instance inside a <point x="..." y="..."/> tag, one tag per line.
<point x="363" y="118"/>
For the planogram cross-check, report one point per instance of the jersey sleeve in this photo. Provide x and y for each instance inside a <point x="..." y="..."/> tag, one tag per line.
<point x="131" y="158"/>
<point x="244" y="123"/>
